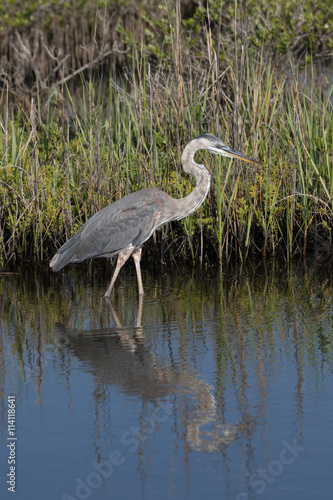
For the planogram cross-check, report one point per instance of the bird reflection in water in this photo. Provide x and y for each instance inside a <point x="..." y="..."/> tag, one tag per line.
<point x="122" y="358"/>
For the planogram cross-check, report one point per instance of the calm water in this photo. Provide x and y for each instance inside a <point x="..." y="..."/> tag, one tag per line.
<point x="217" y="386"/>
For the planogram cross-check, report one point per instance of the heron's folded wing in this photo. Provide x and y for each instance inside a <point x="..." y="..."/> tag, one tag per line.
<point x="114" y="228"/>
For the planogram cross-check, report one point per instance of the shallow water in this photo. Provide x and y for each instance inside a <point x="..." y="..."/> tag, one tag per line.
<point x="219" y="385"/>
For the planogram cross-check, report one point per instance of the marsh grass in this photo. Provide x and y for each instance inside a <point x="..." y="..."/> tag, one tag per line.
<point x="67" y="155"/>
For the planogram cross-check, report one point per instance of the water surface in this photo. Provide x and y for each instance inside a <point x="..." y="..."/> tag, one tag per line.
<point x="218" y="385"/>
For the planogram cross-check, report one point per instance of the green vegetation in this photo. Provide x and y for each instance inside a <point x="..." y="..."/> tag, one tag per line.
<point x="108" y="109"/>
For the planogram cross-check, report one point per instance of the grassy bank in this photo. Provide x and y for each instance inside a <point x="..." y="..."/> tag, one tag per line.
<point x="69" y="149"/>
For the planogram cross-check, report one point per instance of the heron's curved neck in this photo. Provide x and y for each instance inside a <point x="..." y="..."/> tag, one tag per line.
<point x="191" y="202"/>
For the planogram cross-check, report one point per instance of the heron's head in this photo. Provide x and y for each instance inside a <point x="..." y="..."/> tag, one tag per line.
<point x="216" y="146"/>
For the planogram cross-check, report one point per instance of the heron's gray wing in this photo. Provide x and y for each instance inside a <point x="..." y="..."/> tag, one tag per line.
<point x="129" y="221"/>
<point x="111" y="231"/>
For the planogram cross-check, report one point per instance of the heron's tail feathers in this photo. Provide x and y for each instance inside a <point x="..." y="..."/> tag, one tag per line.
<point x="57" y="262"/>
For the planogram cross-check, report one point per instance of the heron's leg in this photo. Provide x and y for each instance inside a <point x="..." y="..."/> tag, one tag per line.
<point x="137" y="258"/>
<point x="122" y="258"/>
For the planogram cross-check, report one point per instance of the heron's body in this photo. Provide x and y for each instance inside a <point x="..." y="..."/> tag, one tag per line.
<point x="124" y="226"/>
<point x="127" y="222"/>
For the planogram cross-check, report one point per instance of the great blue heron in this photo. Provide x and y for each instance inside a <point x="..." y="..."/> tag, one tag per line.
<point x="124" y="226"/>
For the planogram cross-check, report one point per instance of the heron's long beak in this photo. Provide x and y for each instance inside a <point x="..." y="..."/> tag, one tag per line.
<point x="232" y="153"/>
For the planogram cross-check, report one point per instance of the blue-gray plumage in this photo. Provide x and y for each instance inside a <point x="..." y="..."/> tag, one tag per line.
<point x="123" y="227"/>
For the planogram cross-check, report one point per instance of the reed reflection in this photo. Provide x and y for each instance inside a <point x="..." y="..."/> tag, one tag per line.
<point x="235" y="358"/>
